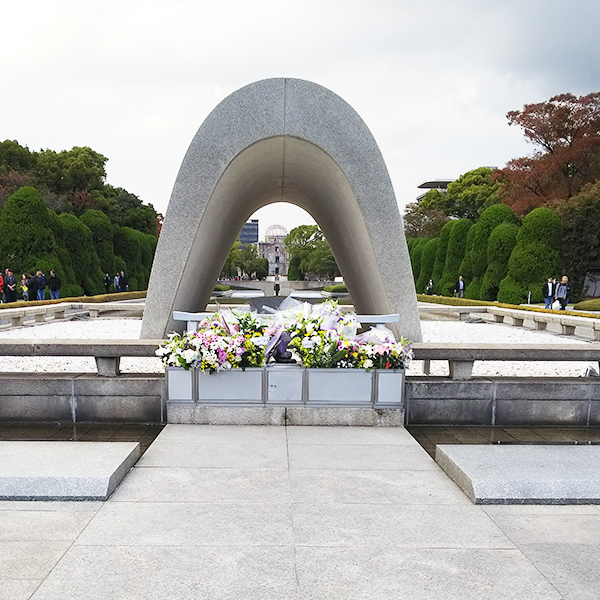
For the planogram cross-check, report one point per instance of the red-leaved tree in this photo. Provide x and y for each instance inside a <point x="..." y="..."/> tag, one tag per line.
<point x="566" y="133"/>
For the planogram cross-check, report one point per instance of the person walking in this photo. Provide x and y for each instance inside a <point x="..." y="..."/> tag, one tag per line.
<point x="42" y="283"/>
<point x="54" y="285"/>
<point x="34" y="284"/>
<point x="25" y="287"/>
<point x="107" y="283"/>
<point x="430" y="289"/>
<point x="459" y="287"/>
<point x="562" y="292"/>
<point x="10" y="285"/>
<point x="548" y="292"/>
<point x="117" y="282"/>
<point x="123" y="282"/>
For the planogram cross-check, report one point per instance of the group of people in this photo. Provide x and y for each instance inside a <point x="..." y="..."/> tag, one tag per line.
<point x="119" y="281"/>
<point x="458" y="290"/>
<point x="556" y="292"/>
<point x="30" y="287"/>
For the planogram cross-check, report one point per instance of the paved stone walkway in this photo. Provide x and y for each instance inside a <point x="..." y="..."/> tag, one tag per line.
<point x="297" y="513"/>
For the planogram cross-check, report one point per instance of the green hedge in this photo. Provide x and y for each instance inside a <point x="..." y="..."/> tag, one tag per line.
<point x="102" y="235"/>
<point x="77" y="239"/>
<point x="219" y="287"/>
<point x="454" y="256"/>
<point x="86" y="299"/>
<point x="588" y="305"/>
<point x="427" y="263"/>
<point x="415" y="257"/>
<point x="534" y="258"/>
<point x="440" y="255"/>
<point x="136" y="249"/>
<point x="500" y="246"/>
<point x="467" y="302"/>
<point x="336" y="289"/>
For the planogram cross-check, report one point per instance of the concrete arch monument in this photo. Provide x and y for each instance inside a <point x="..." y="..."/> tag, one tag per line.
<point x="282" y="140"/>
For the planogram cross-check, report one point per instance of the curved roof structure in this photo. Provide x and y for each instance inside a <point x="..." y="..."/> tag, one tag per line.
<point x="282" y="140"/>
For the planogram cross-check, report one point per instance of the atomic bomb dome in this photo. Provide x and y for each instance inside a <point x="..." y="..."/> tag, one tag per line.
<point x="275" y="233"/>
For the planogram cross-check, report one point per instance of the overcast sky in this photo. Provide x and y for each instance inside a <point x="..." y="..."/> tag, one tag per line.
<point x="433" y="79"/>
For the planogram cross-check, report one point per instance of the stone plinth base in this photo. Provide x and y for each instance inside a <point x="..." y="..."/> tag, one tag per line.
<point x="524" y="474"/>
<point x="280" y="415"/>
<point x="64" y="470"/>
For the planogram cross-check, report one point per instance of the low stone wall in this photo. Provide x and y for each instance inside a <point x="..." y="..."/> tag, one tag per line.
<point x="503" y="401"/>
<point x="79" y="398"/>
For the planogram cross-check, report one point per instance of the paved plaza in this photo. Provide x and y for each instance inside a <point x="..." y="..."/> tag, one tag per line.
<point x="219" y="512"/>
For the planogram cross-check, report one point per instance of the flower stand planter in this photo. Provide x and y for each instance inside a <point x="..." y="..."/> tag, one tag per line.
<point x="180" y="384"/>
<point x="388" y="388"/>
<point x="339" y="387"/>
<point x="285" y="385"/>
<point x="231" y="387"/>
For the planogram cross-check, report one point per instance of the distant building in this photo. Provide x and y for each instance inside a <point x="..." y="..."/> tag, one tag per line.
<point x="434" y="184"/>
<point x="249" y="232"/>
<point x="273" y="249"/>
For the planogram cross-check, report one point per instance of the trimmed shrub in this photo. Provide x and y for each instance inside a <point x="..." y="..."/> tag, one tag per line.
<point x="466" y="302"/>
<point x="27" y="233"/>
<point x="466" y="267"/>
<point x="440" y="255"/>
<point x="427" y="263"/>
<point x="454" y="255"/>
<point x="102" y="235"/>
<point x="87" y="299"/>
<point x="336" y="289"/>
<point x="490" y="218"/>
<point x="588" y="305"/>
<point x="500" y="246"/>
<point x="77" y="239"/>
<point x="136" y="249"/>
<point x="219" y="287"/>
<point x="415" y="251"/>
<point x="534" y="258"/>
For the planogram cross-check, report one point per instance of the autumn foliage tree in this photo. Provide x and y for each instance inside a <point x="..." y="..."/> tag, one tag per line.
<point x="566" y="133"/>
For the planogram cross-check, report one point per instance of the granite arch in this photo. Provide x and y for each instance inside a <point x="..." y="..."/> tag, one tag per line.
<point x="282" y="140"/>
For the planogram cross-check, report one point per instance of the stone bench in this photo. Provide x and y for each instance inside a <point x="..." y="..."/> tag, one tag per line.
<point x="461" y="357"/>
<point x="107" y="353"/>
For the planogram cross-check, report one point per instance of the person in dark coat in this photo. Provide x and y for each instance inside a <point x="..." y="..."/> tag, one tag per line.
<point x="123" y="282"/>
<point x="10" y="286"/>
<point x="548" y="292"/>
<point x="54" y="285"/>
<point x="107" y="283"/>
<point x="459" y="288"/>
<point x="42" y="282"/>
<point x="33" y="287"/>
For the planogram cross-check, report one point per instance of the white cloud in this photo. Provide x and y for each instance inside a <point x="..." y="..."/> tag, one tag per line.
<point x="432" y="79"/>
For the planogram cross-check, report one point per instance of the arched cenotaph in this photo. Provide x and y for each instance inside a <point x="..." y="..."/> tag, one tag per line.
<point x="282" y="140"/>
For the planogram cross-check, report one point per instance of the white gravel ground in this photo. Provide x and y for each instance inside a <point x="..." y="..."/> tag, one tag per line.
<point x="433" y="331"/>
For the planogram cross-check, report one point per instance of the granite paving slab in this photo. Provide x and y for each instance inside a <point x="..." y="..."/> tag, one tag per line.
<point x="384" y="573"/>
<point x="573" y="569"/>
<point x="64" y="470"/>
<point x="522" y="474"/>
<point x="374" y="487"/>
<point x="352" y="456"/>
<point x="188" y="524"/>
<point x="172" y="573"/>
<point x="406" y="526"/>
<point x="215" y="485"/>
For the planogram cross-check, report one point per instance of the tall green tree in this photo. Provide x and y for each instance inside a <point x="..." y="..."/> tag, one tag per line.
<point x="467" y="197"/>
